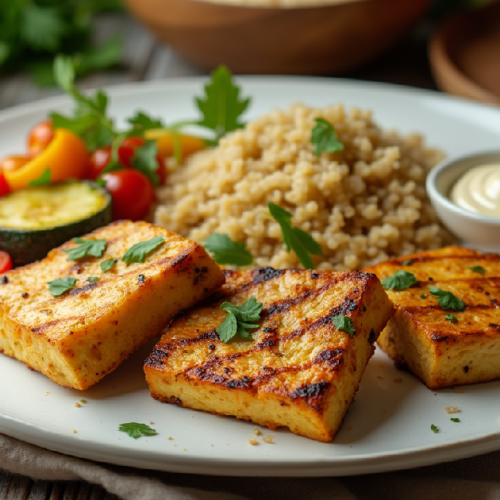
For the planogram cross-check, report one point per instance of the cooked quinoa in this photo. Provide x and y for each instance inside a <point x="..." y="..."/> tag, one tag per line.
<point x="363" y="205"/>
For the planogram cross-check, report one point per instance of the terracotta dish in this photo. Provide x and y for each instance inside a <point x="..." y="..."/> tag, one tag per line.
<point x="465" y="54"/>
<point x="321" y="39"/>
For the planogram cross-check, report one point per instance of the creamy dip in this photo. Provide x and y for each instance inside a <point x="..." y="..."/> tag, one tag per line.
<point x="478" y="190"/>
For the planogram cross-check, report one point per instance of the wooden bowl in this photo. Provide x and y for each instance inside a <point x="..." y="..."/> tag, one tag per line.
<point x="465" y="54"/>
<point x="322" y="39"/>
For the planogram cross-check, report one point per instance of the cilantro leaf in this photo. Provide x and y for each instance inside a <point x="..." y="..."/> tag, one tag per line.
<point x="221" y="107"/>
<point x="434" y="429"/>
<point x="455" y="419"/>
<point x="94" y="248"/>
<point x="138" y="252"/>
<point x="344" y="323"/>
<point x="478" y="269"/>
<point x="239" y="318"/>
<point x="447" y="300"/>
<point x="400" y="280"/>
<point x="91" y="279"/>
<point x="451" y="318"/>
<point x="60" y="285"/>
<point x="44" y="179"/>
<point x="137" y="430"/>
<point x="301" y="242"/>
<point x="226" y="251"/>
<point x="144" y="160"/>
<point x="42" y="27"/>
<point x="324" y="138"/>
<point x="108" y="264"/>
<point x="143" y="122"/>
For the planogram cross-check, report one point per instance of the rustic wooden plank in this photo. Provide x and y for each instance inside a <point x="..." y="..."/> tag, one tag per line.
<point x="40" y="490"/>
<point x="18" y="487"/>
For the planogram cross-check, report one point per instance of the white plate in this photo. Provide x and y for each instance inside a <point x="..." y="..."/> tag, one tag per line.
<point x="388" y="426"/>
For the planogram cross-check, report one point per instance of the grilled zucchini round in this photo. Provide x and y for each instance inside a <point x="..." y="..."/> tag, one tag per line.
<point x="35" y="220"/>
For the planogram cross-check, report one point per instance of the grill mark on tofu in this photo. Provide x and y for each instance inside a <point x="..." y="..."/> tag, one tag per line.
<point x="45" y="326"/>
<point x="86" y="288"/>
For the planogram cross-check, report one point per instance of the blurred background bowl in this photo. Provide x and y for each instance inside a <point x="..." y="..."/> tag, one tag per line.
<point x="318" y="39"/>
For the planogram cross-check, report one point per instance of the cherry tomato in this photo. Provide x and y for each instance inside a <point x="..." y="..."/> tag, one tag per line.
<point x="132" y="193"/>
<point x="4" y="186"/>
<point x="14" y="162"/>
<point x="98" y="161"/>
<point x="126" y="150"/>
<point x="5" y="262"/>
<point x="40" y="137"/>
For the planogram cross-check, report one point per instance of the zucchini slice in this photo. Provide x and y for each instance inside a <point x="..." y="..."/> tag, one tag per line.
<point x="35" y="220"/>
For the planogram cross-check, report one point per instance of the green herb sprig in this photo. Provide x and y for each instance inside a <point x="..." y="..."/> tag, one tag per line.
<point x="136" y="430"/>
<point x="106" y="265"/>
<point x="94" y="248"/>
<point x="447" y="300"/>
<point x="344" y="323"/>
<point x="61" y="285"/>
<point x="138" y="252"/>
<point x="44" y="179"/>
<point x="324" y="138"/>
<point x="478" y="269"/>
<point x="226" y="251"/>
<point x="239" y="319"/>
<point x="302" y="243"/>
<point x="400" y="280"/>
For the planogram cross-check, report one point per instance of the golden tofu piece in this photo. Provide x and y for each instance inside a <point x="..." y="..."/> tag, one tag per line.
<point x="297" y="371"/>
<point x="440" y="351"/>
<point x="77" y="338"/>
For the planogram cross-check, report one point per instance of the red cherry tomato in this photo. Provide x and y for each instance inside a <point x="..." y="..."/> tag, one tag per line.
<point x="5" y="262"/>
<point x="4" y="186"/>
<point x="40" y="137"/>
<point x="132" y="193"/>
<point x="14" y="162"/>
<point x="98" y="161"/>
<point x="126" y="150"/>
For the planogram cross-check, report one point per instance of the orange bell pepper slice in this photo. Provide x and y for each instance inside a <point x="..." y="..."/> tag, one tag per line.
<point x="165" y="143"/>
<point x="65" y="156"/>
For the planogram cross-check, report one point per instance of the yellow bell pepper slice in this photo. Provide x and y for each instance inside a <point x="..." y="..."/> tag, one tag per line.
<point x="66" y="157"/>
<point x="165" y="143"/>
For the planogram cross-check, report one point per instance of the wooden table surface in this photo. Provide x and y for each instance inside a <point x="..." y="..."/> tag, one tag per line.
<point x="146" y="59"/>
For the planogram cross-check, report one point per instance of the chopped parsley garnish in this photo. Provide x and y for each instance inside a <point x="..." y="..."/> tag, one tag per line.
<point x="94" y="248"/>
<point x="408" y="262"/>
<point x="221" y="106"/>
<point x="226" y="251"/>
<point x="324" y="138"/>
<point x="91" y="279"/>
<point x="142" y="122"/>
<point x="344" y="323"/>
<point x="400" y="280"/>
<point x="108" y="264"/>
<point x="455" y="419"/>
<point x="136" y="430"/>
<point x="295" y="239"/>
<point x="478" y="269"/>
<point x="138" y="252"/>
<point x="423" y="295"/>
<point x="447" y="300"/>
<point x="60" y="285"/>
<point x="434" y="429"/>
<point x="451" y="318"/>
<point x="238" y="319"/>
<point x="145" y="161"/>
<point x="44" y="179"/>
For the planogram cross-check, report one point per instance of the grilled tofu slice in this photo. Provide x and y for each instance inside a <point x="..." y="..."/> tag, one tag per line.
<point x="298" y="370"/>
<point x="441" y="352"/>
<point x="77" y="338"/>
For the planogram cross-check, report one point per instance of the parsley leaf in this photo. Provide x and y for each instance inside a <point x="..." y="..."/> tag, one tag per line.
<point x="301" y="242"/>
<point x="143" y="122"/>
<point x="238" y="319"/>
<point x="43" y="180"/>
<point x="408" y="262"/>
<point x="91" y="279"/>
<point x="108" y="264"/>
<point x="434" y="429"/>
<point x="221" y="107"/>
<point x="94" y="248"/>
<point x="478" y="269"/>
<point x="60" y="285"/>
<point x="144" y="160"/>
<point x="423" y="295"/>
<point x="138" y="252"/>
<point x="400" y="280"/>
<point x="455" y="419"/>
<point x="136" y="430"/>
<point x="447" y="300"/>
<point x="344" y="323"/>
<point x="451" y="318"/>
<point x="324" y="138"/>
<point x="226" y="251"/>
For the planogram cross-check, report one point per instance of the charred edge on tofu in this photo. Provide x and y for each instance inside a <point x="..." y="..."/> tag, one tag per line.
<point x="86" y="288"/>
<point x="491" y="257"/>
